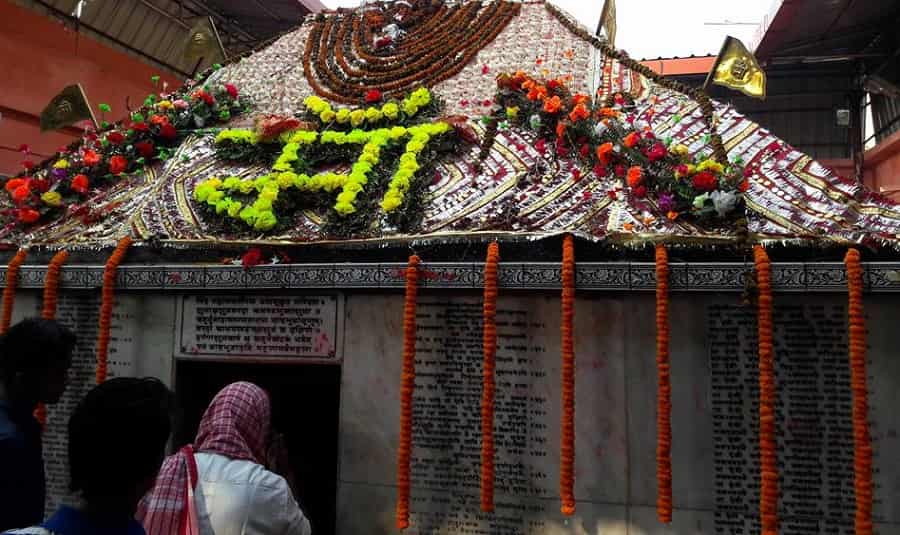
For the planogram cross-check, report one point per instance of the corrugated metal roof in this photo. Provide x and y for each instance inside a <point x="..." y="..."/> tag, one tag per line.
<point x="156" y="30"/>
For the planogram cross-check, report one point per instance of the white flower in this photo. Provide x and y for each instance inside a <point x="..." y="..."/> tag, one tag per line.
<point x="724" y="202"/>
<point x="600" y="129"/>
<point x="535" y="121"/>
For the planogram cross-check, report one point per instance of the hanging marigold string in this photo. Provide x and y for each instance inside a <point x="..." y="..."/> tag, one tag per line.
<point x="768" y="494"/>
<point x="51" y="296"/>
<point x="407" y="384"/>
<point x="9" y="292"/>
<point x="51" y="284"/>
<point x="488" y="369"/>
<point x="567" y="438"/>
<point x="664" y="391"/>
<point x="862" y="442"/>
<point x="108" y="300"/>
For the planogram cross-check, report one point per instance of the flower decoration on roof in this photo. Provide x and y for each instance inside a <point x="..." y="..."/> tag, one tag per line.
<point x="100" y="158"/>
<point x="606" y="141"/>
<point x="392" y="145"/>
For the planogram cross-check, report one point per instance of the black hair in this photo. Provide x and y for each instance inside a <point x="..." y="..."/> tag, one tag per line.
<point x="32" y="346"/>
<point x="117" y="437"/>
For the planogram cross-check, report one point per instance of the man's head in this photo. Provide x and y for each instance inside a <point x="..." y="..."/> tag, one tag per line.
<point x="35" y="355"/>
<point x="117" y="441"/>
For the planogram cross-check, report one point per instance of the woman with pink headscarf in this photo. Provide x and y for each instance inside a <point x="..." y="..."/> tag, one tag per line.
<point x="218" y="485"/>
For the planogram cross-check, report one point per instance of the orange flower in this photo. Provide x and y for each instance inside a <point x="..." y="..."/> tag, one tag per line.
<point x="631" y="140"/>
<point x="106" y="307"/>
<point x="608" y="112"/>
<point x="560" y="129"/>
<point x="15" y="183"/>
<point x="9" y="293"/>
<point x="488" y="383"/>
<point x="635" y="176"/>
<point x="569" y="53"/>
<point x="537" y="92"/>
<point x="529" y="84"/>
<point x="628" y="226"/>
<point x="604" y="153"/>
<point x="581" y="99"/>
<point x="552" y="105"/>
<point x="21" y="193"/>
<point x="672" y="215"/>
<point x="579" y="112"/>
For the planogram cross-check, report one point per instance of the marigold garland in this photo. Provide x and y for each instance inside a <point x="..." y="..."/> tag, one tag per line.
<point x="768" y="493"/>
<point x="664" y="391"/>
<point x="9" y="292"/>
<point x="862" y="442"/>
<point x="488" y="387"/>
<point x="51" y="284"/>
<point x="51" y="297"/>
<point x="109" y="285"/>
<point x="407" y="384"/>
<point x="567" y="438"/>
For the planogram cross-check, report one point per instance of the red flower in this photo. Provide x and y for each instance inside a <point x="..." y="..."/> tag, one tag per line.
<point x="600" y="170"/>
<point x="40" y="185"/>
<point x="159" y="120"/>
<point x="612" y="194"/>
<point x="373" y="96"/>
<point x="145" y="148"/>
<point x="116" y="138"/>
<point x="705" y="181"/>
<point x="635" y="176"/>
<point x="640" y="192"/>
<point x="631" y="140"/>
<point x="657" y="152"/>
<point x="28" y="216"/>
<point x="168" y="132"/>
<point x="15" y="183"/>
<point x="251" y="258"/>
<point x="463" y="103"/>
<point x="140" y="127"/>
<point x="619" y="99"/>
<point x="28" y="165"/>
<point x="231" y="90"/>
<point x="541" y="145"/>
<point x="118" y="164"/>
<point x="80" y="184"/>
<point x="90" y="158"/>
<point x="561" y="149"/>
<point x="584" y="151"/>
<point x="204" y="96"/>
<point x="605" y="153"/>
<point x="744" y="186"/>
<point x="487" y="103"/>
<point x="21" y="193"/>
<point x="576" y="174"/>
<point x="554" y="84"/>
<point x="682" y="169"/>
<point x="620" y="170"/>
<point x="485" y="69"/>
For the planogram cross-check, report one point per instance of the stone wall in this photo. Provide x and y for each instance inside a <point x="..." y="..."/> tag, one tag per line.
<point x="615" y="407"/>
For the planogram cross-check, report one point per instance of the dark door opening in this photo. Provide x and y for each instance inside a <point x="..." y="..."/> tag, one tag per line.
<point x="305" y="405"/>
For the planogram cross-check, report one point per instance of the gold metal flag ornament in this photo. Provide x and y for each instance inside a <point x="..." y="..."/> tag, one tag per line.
<point x="736" y="68"/>
<point x="203" y="42"/>
<point x="67" y="108"/>
<point x="608" y="21"/>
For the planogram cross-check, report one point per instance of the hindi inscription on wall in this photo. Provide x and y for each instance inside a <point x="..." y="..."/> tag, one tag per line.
<point x="241" y="325"/>
<point x="813" y="409"/>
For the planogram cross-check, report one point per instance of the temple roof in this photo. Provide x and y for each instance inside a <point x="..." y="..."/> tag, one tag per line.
<point x="515" y="190"/>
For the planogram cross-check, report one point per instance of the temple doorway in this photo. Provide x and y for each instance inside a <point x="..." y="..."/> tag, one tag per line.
<point x="305" y="408"/>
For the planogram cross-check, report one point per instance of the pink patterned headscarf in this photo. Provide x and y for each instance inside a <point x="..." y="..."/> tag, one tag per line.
<point x="235" y="425"/>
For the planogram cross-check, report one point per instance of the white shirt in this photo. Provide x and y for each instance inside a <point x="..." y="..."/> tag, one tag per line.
<point x="243" y="498"/>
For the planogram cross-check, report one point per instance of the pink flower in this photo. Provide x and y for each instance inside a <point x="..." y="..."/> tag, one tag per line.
<point x="180" y="104"/>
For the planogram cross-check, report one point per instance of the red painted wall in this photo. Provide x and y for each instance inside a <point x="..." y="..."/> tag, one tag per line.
<point x="40" y="57"/>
